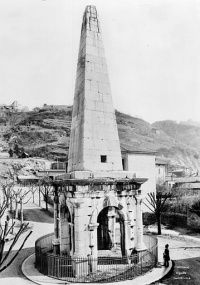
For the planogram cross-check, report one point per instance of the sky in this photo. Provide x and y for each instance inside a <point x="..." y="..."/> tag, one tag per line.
<point x="152" y="49"/>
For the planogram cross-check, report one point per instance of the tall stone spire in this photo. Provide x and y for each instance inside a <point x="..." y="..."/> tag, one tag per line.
<point x="94" y="141"/>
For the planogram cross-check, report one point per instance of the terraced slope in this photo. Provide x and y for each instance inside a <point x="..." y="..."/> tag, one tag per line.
<point x="45" y="133"/>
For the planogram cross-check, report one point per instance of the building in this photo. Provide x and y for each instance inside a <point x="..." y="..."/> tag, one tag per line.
<point x="97" y="204"/>
<point x="161" y="169"/>
<point x="142" y="162"/>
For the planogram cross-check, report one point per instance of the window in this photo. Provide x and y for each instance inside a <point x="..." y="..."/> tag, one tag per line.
<point x="123" y="163"/>
<point x="103" y="158"/>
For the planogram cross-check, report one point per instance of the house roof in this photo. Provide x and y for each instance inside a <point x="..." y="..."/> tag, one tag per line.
<point x="136" y="150"/>
<point x="28" y="177"/>
<point x="187" y="179"/>
<point x="162" y="160"/>
<point x="191" y="185"/>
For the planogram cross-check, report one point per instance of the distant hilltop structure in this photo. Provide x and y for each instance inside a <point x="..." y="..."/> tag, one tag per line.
<point x="53" y="107"/>
<point x="14" y="107"/>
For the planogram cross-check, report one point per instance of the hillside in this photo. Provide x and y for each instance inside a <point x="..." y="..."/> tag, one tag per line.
<point x="45" y="133"/>
<point x="188" y="132"/>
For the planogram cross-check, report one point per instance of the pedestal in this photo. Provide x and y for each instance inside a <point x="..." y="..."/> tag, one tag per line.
<point x="80" y="266"/>
<point x="56" y="246"/>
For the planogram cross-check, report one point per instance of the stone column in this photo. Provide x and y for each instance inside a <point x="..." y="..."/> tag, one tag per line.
<point x="56" y="241"/>
<point x="140" y="246"/>
<point x="79" y="238"/>
<point x="127" y="238"/>
<point x="79" y="259"/>
<point x="92" y="258"/>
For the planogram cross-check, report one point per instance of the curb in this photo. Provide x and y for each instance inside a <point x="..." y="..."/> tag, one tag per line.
<point x="31" y="273"/>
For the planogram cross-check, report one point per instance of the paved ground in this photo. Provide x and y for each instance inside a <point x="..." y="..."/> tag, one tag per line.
<point x="181" y="249"/>
<point x="41" y="224"/>
<point x="185" y="251"/>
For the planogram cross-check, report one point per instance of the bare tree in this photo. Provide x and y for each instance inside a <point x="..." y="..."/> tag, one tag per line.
<point x="33" y="186"/>
<point x="6" y="193"/>
<point x="45" y="184"/>
<point x="156" y="204"/>
<point x="19" y="195"/>
<point x="5" y="256"/>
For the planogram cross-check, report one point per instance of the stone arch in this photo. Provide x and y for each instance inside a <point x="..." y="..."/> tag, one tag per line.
<point x="111" y="229"/>
<point x="65" y="230"/>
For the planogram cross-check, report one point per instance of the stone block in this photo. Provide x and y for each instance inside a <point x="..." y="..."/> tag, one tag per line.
<point x="99" y="67"/>
<point x="98" y="43"/>
<point x="80" y="267"/>
<point x="94" y="86"/>
<point x="89" y="66"/>
<point x="91" y="34"/>
<point x="88" y="85"/>
<point x="80" y="174"/>
<point x="101" y="52"/>
<point x="104" y="87"/>
<point x="94" y="28"/>
<point x="99" y="106"/>
<point x="91" y="50"/>
<point x="93" y="59"/>
<point x="90" y="105"/>
<point x="91" y="42"/>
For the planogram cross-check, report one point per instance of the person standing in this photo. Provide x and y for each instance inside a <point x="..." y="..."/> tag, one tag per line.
<point x="166" y="255"/>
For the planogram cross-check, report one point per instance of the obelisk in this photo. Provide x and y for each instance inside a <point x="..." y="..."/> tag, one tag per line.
<point x="94" y="142"/>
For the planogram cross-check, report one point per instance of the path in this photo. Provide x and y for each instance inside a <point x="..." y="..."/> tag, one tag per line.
<point x="41" y="224"/>
<point x="181" y="248"/>
<point x="185" y="251"/>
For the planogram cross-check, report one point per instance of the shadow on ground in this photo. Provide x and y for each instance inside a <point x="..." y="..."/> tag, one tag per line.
<point x="38" y="215"/>
<point x="186" y="271"/>
<point x="14" y="270"/>
<point x="185" y="231"/>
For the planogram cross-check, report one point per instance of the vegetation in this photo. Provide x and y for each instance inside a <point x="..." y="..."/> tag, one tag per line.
<point x="8" y="193"/>
<point x="45" y="186"/>
<point x="44" y="131"/>
<point x="156" y="203"/>
<point x="6" y="258"/>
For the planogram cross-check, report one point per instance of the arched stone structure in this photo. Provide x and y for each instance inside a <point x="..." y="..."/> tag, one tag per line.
<point x="65" y="230"/>
<point x="82" y="229"/>
<point x="95" y="178"/>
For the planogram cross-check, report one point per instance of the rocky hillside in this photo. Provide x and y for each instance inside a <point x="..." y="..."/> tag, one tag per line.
<point x="45" y="133"/>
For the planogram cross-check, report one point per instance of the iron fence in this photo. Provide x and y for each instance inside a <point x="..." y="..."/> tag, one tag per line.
<point x="94" y="270"/>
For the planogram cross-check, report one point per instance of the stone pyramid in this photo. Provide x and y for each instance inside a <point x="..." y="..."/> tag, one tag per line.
<point x="94" y="141"/>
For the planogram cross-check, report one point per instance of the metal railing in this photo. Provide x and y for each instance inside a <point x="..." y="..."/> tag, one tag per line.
<point x="94" y="270"/>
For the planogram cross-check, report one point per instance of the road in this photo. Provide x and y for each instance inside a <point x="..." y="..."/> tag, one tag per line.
<point x="41" y="224"/>
<point x="185" y="252"/>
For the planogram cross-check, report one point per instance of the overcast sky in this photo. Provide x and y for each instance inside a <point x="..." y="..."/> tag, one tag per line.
<point x="152" y="49"/>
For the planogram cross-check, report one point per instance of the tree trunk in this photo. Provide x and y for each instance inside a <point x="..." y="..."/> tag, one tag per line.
<point x="16" y="210"/>
<point x="46" y="200"/>
<point x="11" y="208"/>
<point x="39" y="198"/>
<point x="22" y="218"/>
<point x="33" y="198"/>
<point x="159" y="224"/>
